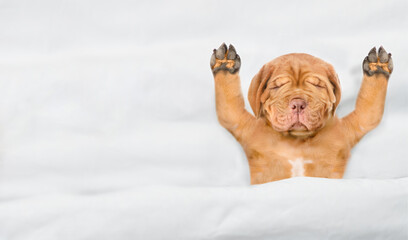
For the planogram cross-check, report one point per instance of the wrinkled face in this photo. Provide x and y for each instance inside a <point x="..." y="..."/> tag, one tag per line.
<point x="296" y="93"/>
<point x="298" y="106"/>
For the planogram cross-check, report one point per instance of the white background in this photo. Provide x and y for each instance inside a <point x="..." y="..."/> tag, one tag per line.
<point x="100" y="96"/>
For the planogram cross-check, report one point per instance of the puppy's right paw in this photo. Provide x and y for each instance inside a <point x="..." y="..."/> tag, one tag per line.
<point x="380" y="63"/>
<point x="224" y="59"/>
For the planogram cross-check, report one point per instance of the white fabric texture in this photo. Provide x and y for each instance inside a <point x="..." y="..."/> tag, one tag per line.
<point x="108" y="127"/>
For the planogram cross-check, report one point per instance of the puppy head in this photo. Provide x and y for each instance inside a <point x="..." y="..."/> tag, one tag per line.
<point x="296" y="93"/>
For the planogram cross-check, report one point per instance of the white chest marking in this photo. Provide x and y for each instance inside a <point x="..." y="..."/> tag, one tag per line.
<point x="298" y="167"/>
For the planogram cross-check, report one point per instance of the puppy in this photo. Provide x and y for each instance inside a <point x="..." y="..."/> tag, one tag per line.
<point x="294" y="130"/>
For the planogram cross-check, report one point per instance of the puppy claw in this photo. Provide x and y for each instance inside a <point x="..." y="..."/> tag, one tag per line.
<point x="225" y="59"/>
<point x="372" y="55"/>
<point x="390" y="63"/>
<point x="237" y="65"/>
<point x="380" y="63"/>
<point x="231" y="52"/>
<point x="366" y="66"/>
<point x="383" y="55"/>
<point x="213" y="59"/>
<point x="220" y="53"/>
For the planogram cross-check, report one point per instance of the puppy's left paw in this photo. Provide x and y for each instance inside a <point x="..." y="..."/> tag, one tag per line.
<point x="380" y="63"/>
<point x="225" y="59"/>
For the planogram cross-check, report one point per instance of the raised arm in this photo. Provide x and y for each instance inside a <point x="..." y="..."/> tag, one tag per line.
<point x="369" y="108"/>
<point x="225" y="64"/>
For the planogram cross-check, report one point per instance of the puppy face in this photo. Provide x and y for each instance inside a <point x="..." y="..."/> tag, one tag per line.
<point x="296" y="93"/>
<point x="298" y="105"/>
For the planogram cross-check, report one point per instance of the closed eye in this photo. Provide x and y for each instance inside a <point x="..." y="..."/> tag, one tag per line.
<point x="318" y="85"/>
<point x="278" y="85"/>
<point x="278" y="82"/>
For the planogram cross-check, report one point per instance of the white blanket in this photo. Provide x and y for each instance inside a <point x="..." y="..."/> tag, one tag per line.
<point x="298" y="208"/>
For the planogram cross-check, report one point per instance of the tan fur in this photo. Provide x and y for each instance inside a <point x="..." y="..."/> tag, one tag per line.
<point x="326" y="148"/>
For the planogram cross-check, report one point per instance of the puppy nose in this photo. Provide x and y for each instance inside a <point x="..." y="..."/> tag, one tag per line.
<point x="297" y="105"/>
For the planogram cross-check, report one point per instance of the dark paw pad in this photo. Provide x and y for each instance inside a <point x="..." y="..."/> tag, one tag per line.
<point x="225" y="59"/>
<point x="378" y="63"/>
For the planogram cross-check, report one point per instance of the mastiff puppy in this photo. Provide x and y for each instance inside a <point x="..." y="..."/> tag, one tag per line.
<point x="294" y="130"/>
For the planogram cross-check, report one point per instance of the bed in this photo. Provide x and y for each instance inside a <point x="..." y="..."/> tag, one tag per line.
<point x="108" y="127"/>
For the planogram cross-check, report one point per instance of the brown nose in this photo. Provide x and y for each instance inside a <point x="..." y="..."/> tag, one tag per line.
<point x="297" y="105"/>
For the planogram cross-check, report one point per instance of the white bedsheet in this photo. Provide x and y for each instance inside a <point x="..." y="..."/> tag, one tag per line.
<point x="298" y="208"/>
<point x="108" y="127"/>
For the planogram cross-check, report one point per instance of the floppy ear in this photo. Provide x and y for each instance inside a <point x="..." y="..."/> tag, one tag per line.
<point x="257" y="88"/>
<point x="334" y="80"/>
